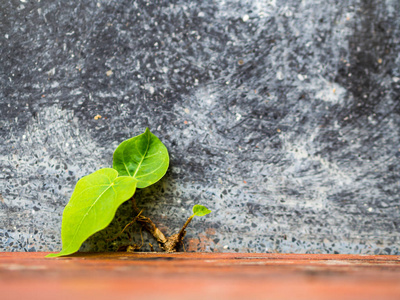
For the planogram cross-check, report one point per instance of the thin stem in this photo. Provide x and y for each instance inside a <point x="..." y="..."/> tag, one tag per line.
<point x="182" y="231"/>
<point x="126" y="226"/>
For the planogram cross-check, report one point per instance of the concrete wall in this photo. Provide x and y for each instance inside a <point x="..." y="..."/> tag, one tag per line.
<point x="281" y="116"/>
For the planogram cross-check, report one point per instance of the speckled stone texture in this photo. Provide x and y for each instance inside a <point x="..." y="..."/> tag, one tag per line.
<point x="283" y="117"/>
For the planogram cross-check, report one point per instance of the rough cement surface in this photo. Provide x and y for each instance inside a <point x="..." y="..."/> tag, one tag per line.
<point x="283" y="117"/>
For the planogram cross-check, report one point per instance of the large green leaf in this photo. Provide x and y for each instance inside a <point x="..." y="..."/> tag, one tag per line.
<point x="143" y="157"/>
<point x="92" y="207"/>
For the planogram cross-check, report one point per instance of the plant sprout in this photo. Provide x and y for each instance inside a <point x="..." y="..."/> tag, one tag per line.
<point x="137" y="163"/>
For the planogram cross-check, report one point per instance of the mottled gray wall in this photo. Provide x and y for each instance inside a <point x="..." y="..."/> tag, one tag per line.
<point x="282" y="116"/>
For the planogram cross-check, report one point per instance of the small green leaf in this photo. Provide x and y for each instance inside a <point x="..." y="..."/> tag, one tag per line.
<point x="200" y="210"/>
<point x="92" y="207"/>
<point x="143" y="157"/>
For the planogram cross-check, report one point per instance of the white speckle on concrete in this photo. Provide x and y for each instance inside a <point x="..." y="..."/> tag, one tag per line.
<point x="327" y="91"/>
<point x="149" y="88"/>
<point x="288" y="13"/>
<point x="51" y="72"/>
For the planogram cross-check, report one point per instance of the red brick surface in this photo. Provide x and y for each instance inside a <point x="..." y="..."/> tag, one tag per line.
<point x="199" y="276"/>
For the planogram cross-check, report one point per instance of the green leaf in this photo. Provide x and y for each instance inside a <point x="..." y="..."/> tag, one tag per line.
<point x="143" y="157"/>
<point x="92" y="207"/>
<point x="200" y="210"/>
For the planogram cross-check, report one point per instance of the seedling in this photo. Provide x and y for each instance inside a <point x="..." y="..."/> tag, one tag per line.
<point x="137" y="163"/>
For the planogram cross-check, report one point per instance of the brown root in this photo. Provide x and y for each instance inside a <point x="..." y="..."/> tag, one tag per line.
<point x="170" y="244"/>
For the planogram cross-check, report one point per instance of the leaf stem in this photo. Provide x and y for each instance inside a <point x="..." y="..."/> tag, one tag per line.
<point x="182" y="231"/>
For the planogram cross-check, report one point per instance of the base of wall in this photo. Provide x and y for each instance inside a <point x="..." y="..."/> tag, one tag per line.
<point x="198" y="276"/>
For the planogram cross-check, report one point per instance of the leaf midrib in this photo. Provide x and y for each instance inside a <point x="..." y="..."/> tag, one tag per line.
<point x="155" y="170"/>
<point x="123" y="161"/>
<point x="90" y="208"/>
<point x="144" y="155"/>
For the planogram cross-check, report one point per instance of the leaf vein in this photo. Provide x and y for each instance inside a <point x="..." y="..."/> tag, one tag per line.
<point x="159" y="167"/>
<point x="144" y="155"/>
<point x="89" y="188"/>
<point x="90" y="208"/>
<point x="123" y="161"/>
